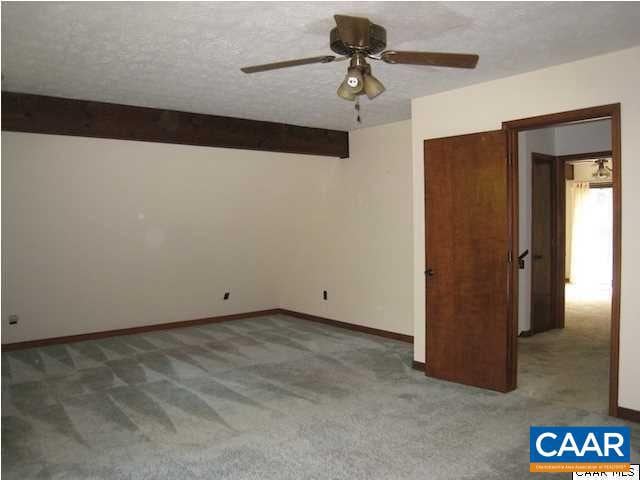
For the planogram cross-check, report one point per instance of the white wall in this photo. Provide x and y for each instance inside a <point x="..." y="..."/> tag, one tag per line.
<point x="103" y="234"/>
<point x="583" y="137"/>
<point x="351" y="234"/>
<point x="594" y="81"/>
<point x="539" y="141"/>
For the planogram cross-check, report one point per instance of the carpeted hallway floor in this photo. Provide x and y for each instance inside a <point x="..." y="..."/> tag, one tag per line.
<point x="264" y="398"/>
<point x="571" y="365"/>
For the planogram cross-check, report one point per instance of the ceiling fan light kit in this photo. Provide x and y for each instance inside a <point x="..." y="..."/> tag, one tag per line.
<point x="372" y="86"/>
<point x="602" y="170"/>
<point x="357" y="39"/>
<point x="359" y="80"/>
<point x="345" y="92"/>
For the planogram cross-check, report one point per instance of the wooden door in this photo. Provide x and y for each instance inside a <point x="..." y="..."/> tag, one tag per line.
<point x="543" y="226"/>
<point x="468" y="261"/>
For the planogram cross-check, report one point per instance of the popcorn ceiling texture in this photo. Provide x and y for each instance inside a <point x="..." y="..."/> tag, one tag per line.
<point x="187" y="56"/>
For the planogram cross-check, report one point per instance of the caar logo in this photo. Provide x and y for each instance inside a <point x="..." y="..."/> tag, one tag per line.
<point x="579" y="449"/>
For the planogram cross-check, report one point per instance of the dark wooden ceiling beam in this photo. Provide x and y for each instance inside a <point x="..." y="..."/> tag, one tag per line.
<point x="83" y="118"/>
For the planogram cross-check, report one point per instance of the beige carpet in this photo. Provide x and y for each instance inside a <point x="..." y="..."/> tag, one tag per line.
<point x="571" y="365"/>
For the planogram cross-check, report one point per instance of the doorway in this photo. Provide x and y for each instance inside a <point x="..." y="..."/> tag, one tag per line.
<point x="588" y="217"/>
<point x="573" y="319"/>
<point x="472" y="241"/>
<point x="566" y="361"/>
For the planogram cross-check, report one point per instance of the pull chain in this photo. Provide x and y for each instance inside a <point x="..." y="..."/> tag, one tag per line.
<point x="357" y="108"/>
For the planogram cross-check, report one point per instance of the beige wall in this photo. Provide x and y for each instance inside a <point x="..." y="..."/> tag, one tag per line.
<point x="350" y="233"/>
<point x="594" y="81"/>
<point x="102" y="234"/>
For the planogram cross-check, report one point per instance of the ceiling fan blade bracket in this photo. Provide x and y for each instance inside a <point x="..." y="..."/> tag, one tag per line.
<point x="387" y="56"/>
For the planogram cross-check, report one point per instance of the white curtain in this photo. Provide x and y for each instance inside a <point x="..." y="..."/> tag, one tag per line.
<point x="592" y="235"/>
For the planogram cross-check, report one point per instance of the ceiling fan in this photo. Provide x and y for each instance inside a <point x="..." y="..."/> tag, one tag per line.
<point x="357" y="39"/>
<point x="602" y="170"/>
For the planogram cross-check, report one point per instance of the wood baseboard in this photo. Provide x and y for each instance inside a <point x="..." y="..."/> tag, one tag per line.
<point x="202" y="321"/>
<point x="350" y="326"/>
<point x="418" y="365"/>
<point x="629" y="414"/>
<point x="129" y="331"/>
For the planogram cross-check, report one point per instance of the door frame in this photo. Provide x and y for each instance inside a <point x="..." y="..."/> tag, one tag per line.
<point x="560" y="233"/>
<point x="555" y="238"/>
<point x="512" y="129"/>
<point x="563" y="160"/>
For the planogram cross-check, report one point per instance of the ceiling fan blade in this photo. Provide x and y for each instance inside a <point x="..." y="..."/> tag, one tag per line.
<point x="434" y="59"/>
<point x="353" y="31"/>
<point x="288" y="63"/>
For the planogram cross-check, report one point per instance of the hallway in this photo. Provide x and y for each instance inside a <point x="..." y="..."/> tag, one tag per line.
<point x="571" y="365"/>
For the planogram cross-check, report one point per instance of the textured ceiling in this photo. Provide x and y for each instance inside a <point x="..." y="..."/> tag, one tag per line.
<point x="187" y="56"/>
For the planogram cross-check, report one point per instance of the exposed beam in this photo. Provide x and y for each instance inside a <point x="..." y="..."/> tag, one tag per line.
<point x="63" y="116"/>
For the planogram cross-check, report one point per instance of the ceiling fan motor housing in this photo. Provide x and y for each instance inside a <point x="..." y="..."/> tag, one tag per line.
<point x="377" y="41"/>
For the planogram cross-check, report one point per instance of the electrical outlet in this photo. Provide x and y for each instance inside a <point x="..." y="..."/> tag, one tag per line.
<point x="324" y="294"/>
<point x="226" y="296"/>
<point x="13" y="319"/>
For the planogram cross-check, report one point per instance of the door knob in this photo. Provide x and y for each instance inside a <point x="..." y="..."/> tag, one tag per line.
<point x="429" y="272"/>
